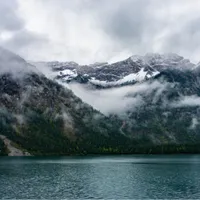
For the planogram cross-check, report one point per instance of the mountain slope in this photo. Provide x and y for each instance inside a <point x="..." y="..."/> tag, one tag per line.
<point x="45" y="118"/>
<point x="42" y="117"/>
<point x="170" y="109"/>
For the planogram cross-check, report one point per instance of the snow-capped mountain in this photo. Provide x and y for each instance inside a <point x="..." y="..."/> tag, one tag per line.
<point x="134" y="69"/>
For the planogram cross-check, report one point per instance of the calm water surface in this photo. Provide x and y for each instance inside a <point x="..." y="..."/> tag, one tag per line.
<point x="116" y="177"/>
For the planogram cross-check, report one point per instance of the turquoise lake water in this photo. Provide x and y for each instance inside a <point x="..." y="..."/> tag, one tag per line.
<point x="101" y="177"/>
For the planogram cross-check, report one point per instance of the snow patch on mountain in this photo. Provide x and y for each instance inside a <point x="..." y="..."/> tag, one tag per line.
<point x="140" y="76"/>
<point x="68" y="74"/>
<point x="133" y="77"/>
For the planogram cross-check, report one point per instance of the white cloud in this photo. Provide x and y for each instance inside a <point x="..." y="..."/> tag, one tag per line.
<point x="117" y="100"/>
<point x="186" y="101"/>
<point x="194" y="123"/>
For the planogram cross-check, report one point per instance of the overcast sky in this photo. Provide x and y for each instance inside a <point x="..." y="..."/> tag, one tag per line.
<point x="89" y="31"/>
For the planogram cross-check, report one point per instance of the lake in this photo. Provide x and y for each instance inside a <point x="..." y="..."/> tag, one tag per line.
<point x="101" y="177"/>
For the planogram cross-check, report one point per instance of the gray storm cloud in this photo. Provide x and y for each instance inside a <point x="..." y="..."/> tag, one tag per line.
<point x="88" y="31"/>
<point x="9" y="20"/>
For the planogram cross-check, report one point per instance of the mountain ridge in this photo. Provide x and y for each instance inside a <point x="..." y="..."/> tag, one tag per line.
<point x="41" y="117"/>
<point x="129" y="71"/>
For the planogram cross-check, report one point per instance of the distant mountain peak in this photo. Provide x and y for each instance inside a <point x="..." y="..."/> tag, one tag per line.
<point x="168" y="59"/>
